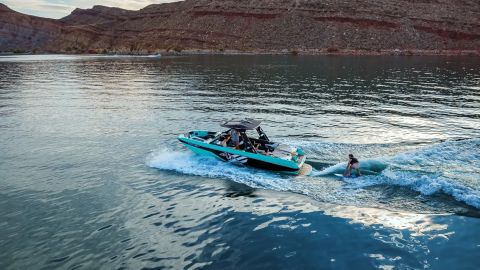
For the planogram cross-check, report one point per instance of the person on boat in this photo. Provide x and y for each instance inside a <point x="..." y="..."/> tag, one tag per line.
<point x="235" y="138"/>
<point x="225" y="140"/>
<point x="261" y="149"/>
<point x="353" y="163"/>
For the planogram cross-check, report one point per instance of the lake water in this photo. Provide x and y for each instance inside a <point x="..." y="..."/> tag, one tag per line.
<point x="92" y="176"/>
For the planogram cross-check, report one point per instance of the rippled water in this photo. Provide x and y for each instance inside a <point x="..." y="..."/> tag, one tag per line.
<point x="92" y="176"/>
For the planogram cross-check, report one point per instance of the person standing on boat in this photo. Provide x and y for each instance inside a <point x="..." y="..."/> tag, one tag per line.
<point x="353" y="163"/>
<point x="235" y="138"/>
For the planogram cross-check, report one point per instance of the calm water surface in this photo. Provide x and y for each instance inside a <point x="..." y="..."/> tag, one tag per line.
<point x="92" y="176"/>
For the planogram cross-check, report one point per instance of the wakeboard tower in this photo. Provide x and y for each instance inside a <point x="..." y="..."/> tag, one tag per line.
<point x="256" y="152"/>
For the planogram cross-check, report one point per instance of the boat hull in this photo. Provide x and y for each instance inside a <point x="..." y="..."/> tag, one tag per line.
<point x="240" y="157"/>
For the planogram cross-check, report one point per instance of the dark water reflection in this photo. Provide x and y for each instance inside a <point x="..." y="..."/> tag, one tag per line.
<point x="91" y="175"/>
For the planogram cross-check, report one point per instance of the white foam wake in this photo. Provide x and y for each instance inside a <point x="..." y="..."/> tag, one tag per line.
<point x="189" y="163"/>
<point x="369" y="167"/>
<point x="451" y="167"/>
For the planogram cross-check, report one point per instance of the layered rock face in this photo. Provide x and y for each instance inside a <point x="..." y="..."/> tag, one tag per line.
<point x="23" y="32"/>
<point x="257" y="26"/>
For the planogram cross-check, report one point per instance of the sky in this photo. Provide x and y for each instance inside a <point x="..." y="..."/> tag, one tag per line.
<point x="61" y="8"/>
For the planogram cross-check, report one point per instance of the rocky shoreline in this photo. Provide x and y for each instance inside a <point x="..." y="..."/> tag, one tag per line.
<point x="475" y="53"/>
<point x="361" y="27"/>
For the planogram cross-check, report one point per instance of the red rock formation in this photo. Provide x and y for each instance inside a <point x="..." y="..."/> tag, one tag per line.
<point x="23" y="32"/>
<point x="328" y="26"/>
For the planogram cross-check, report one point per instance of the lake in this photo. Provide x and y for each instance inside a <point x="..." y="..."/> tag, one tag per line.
<point x="93" y="177"/>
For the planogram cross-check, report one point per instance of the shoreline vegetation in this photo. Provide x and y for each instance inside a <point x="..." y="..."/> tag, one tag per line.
<point x="312" y="52"/>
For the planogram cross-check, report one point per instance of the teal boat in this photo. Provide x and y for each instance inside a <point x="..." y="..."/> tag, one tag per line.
<point x="257" y="152"/>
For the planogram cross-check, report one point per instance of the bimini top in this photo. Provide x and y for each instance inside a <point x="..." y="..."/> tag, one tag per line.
<point x="247" y="123"/>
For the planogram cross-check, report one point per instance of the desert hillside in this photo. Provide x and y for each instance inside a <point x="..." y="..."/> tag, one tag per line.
<point x="277" y="26"/>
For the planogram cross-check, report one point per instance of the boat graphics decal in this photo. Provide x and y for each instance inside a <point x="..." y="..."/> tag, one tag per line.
<point x="234" y="158"/>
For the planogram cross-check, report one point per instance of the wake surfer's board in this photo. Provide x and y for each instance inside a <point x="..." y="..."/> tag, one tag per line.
<point x="306" y="169"/>
<point x="342" y="176"/>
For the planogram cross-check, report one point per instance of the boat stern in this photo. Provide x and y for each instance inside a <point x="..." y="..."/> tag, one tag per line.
<point x="300" y="157"/>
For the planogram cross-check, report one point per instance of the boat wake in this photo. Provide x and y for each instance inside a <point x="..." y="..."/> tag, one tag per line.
<point x="451" y="168"/>
<point x="369" y="167"/>
<point x="192" y="164"/>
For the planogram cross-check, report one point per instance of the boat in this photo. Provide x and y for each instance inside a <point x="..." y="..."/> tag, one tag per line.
<point x="155" y="55"/>
<point x="257" y="152"/>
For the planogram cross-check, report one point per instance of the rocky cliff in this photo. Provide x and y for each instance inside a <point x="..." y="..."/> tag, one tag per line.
<point x="308" y="26"/>
<point x="23" y="32"/>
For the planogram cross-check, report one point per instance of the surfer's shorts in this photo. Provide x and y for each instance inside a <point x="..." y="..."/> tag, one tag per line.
<point x="356" y="165"/>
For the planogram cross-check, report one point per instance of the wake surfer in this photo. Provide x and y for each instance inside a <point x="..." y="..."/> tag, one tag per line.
<point x="352" y="164"/>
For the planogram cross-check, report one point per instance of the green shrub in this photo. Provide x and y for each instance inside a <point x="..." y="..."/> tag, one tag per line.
<point x="18" y="51"/>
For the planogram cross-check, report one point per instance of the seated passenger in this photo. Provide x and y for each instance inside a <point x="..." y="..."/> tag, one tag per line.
<point x="257" y="147"/>
<point x="225" y="141"/>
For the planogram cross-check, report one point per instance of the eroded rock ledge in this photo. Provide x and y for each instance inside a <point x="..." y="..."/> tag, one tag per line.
<point x="244" y="26"/>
